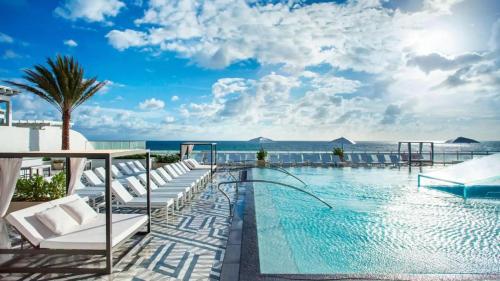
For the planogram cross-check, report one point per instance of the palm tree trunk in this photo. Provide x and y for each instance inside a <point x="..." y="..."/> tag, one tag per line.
<point x="66" y="118"/>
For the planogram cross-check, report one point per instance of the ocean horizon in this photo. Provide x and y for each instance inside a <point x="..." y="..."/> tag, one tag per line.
<point x="304" y="146"/>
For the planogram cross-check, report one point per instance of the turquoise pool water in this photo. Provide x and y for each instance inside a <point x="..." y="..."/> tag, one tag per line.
<point x="381" y="223"/>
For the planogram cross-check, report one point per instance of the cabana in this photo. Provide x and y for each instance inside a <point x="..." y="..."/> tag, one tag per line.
<point x="186" y="149"/>
<point x="481" y="173"/>
<point x="415" y="156"/>
<point x="87" y="239"/>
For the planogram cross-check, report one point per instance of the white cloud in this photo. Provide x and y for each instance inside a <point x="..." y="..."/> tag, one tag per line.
<point x="4" y="38"/>
<point x="109" y="86"/>
<point x="174" y="98"/>
<point x="89" y="10"/>
<point x="358" y="35"/>
<point x="169" y="119"/>
<point x="122" y="40"/>
<point x="494" y="42"/>
<point x="70" y="43"/>
<point x="10" y="54"/>
<point x="152" y="104"/>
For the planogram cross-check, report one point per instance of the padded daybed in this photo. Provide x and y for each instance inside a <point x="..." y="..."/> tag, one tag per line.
<point x="88" y="236"/>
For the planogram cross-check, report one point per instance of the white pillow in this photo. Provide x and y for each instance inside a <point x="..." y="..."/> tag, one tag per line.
<point x="57" y="220"/>
<point x="79" y="211"/>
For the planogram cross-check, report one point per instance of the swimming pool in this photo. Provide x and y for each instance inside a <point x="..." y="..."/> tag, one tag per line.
<point x="381" y="223"/>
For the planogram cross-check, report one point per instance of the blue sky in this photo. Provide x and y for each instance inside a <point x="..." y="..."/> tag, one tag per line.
<point x="303" y="70"/>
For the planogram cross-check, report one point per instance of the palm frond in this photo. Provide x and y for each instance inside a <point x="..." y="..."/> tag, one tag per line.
<point x="62" y="83"/>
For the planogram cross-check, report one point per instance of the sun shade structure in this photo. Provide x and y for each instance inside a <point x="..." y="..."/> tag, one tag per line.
<point x="186" y="149"/>
<point x="74" y="243"/>
<point x="462" y="140"/>
<point x="261" y="140"/>
<point x="482" y="172"/>
<point x="343" y="141"/>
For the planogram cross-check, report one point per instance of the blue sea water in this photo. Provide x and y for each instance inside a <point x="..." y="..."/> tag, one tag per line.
<point x="381" y="223"/>
<point x="371" y="146"/>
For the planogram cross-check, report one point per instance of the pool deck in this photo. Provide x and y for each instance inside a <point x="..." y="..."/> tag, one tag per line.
<point x="191" y="246"/>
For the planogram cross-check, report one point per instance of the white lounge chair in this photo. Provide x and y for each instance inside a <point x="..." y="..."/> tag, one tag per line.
<point x="127" y="200"/>
<point x="136" y="186"/>
<point x="125" y="169"/>
<point x="175" y="177"/>
<point x="133" y="167"/>
<point x="88" y="236"/>
<point x="195" y="165"/>
<point x="92" y="179"/>
<point x="101" y="173"/>
<point x="158" y="182"/>
<point x="139" y="165"/>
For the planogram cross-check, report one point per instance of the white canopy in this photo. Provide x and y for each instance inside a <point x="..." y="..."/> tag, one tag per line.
<point x="342" y="141"/>
<point x="261" y="140"/>
<point x="485" y="170"/>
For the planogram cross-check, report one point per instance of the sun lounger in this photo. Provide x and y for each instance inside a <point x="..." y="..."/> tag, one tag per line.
<point x="296" y="158"/>
<point x="234" y="158"/>
<point x="101" y="173"/>
<point x="92" y="179"/>
<point x="139" y="165"/>
<point x="355" y="160"/>
<point x="326" y="159"/>
<point x="135" y="185"/>
<point x="161" y="181"/>
<point x="285" y="159"/>
<point x="221" y="158"/>
<point x="250" y="157"/>
<point x="381" y="159"/>
<point x="125" y="169"/>
<point x="394" y="159"/>
<point x="88" y="236"/>
<point x="158" y="183"/>
<point x="273" y="159"/>
<point x="337" y="161"/>
<point x="127" y="200"/>
<point x="307" y="158"/>
<point x="133" y="167"/>
<point x="367" y="158"/>
<point x="195" y="165"/>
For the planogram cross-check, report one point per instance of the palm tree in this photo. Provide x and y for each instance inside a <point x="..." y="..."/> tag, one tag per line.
<point x="63" y="85"/>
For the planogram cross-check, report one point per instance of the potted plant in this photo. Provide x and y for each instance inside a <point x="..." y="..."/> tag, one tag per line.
<point x="339" y="152"/>
<point x="57" y="164"/>
<point x="261" y="157"/>
<point x="36" y="190"/>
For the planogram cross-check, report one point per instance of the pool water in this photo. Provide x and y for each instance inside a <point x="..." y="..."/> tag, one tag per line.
<point x="381" y="223"/>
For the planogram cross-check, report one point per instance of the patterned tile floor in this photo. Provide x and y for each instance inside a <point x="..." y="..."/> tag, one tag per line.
<point x="189" y="247"/>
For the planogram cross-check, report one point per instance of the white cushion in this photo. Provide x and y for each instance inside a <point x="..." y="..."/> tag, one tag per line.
<point x="79" y="210"/>
<point x="57" y="220"/>
<point x="92" y="235"/>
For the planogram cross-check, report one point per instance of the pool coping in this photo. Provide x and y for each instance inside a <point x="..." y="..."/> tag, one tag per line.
<point x="241" y="260"/>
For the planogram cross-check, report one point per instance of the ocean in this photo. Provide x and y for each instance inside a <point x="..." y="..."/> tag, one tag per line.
<point x="321" y="146"/>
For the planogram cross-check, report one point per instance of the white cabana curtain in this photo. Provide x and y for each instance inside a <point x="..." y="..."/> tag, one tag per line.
<point x="190" y="149"/>
<point x="9" y="172"/>
<point x="183" y="151"/>
<point x="77" y="165"/>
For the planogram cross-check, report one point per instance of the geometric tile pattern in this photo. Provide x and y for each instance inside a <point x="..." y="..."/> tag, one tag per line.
<point x="189" y="247"/>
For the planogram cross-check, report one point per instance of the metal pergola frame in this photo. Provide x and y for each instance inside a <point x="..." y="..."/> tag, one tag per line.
<point x="107" y="156"/>
<point x="213" y="152"/>
<point x="420" y="148"/>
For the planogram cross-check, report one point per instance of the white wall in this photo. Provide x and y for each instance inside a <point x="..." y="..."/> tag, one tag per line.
<point x="15" y="139"/>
